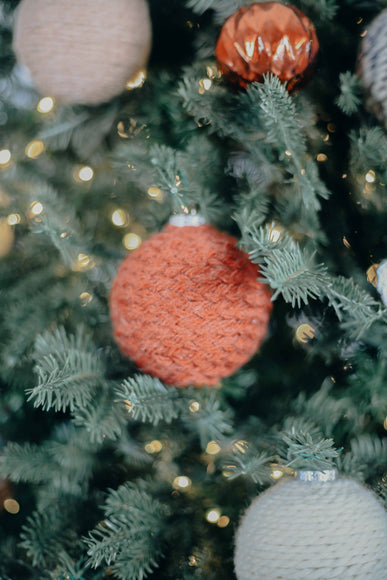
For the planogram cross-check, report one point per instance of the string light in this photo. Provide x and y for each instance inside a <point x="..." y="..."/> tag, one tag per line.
<point x="155" y="193"/>
<point x="5" y="156"/>
<point x="45" y="105"/>
<point x="34" y="149"/>
<point x="36" y="208"/>
<point x="86" y="173"/>
<point x="274" y="233"/>
<point x="194" y="406"/>
<point x="240" y="446"/>
<point x="83" y="262"/>
<point x="223" y="521"/>
<point x="13" y="219"/>
<point x="153" y="447"/>
<point x="213" y="448"/>
<point x="276" y="474"/>
<point x="120" y="218"/>
<point x="85" y="298"/>
<point x="370" y="176"/>
<point x="131" y="241"/>
<point x="11" y="506"/>
<point x="385" y="423"/>
<point x="136" y="81"/>
<point x="212" y="516"/>
<point x="305" y="332"/>
<point x="321" y="157"/>
<point x="182" y="482"/>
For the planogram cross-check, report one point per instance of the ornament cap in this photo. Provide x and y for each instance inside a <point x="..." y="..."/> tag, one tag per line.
<point x="314" y="475"/>
<point x="181" y="220"/>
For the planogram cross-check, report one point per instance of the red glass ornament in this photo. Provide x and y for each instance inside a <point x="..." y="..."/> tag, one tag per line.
<point x="264" y="38"/>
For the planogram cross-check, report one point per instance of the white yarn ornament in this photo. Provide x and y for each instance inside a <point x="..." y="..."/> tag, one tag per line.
<point x="315" y="530"/>
<point x="82" y="51"/>
<point x="373" y="66"/>
<point x="381" y="283"/>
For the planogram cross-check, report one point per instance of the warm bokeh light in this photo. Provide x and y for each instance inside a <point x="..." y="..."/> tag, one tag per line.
<point x="131" y="241"/>
<point x="136" y="81"/>
<point x="45" y="105"/>
<point x="182" y="482"/>
<point x="155" y="193"/>
<point x="305" y="332"/>
<point x="86" y="173"/>
<point x="85" y="298"/>
<point x="223" y="521"/>
<point x="5" y="156"/>
<point x="276" y="473"/>
<point x="153" y="447"/>
<point x="213" y="516"/>
<point x="370" y="176"/>
<point x="13" y="219"/>
<point x="213" y="448"/>
<point x="194" y="406"/>
<point x="11" y="506"/>
<point x="36" y="208"/>
<point x="34" y="149"/>
<point x="120" y="218"/>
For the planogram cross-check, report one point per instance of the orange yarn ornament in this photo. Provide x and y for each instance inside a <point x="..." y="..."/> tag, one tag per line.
<point x="187" y="307"/>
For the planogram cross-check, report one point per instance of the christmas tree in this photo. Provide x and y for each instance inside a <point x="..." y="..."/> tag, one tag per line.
<point x="110" y="467"/>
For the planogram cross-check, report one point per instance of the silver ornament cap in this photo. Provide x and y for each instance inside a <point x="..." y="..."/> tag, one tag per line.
<point x="314" y="475"/>
<point x="181" y="220"/>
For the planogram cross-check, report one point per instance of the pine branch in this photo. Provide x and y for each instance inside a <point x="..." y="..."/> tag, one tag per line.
<point x="256" y="467"/>
<point x="45" y="536"/>
<point x="148" y="400"/>
<point x="208" y="420"/>
<point x="354" y="306"/>
<point x="349" y="99"/>
<point x="59" y="223"/>
<point x="294" y="275"/>
<point x="26" y="463"/>
<point x="129" y="539"/>
<point x="100" y="418"/>
<point x="305" y="452"/>
<point x="68" y="369"/>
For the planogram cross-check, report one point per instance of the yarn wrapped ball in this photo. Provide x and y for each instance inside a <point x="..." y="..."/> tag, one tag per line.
<point x="82" y="52"/>
<point x="314" y="530"/>
<point x="269" y="37"/>
<point x="372" y="67"/>
<point x="186" y="306"/>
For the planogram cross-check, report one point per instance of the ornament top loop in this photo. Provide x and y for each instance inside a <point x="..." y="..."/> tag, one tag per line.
<point x="321" y="476"/>
<point x="181" y="220"/>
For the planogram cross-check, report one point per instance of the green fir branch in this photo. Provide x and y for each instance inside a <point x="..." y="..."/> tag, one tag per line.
<point x="256" y="467"/>
<point x="68" y="368"/>
<point x="209" y="421"/>
<point x="25" y="463"/>
<point x="148" y="400"/>
<point x="45" y="536"/>
<point x="294" y="275"/>
<point x="58" y="222"/>
<point x="100" y="417"/>
<point x="129" y="538"/>
<point x="349" y="98"/>
<point x="303" y="451"/>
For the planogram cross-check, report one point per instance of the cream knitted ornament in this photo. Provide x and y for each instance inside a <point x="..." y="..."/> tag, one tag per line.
<point x="315" y="530"/>
<point x="373" y="66"/>
<point x="82" y="51"/>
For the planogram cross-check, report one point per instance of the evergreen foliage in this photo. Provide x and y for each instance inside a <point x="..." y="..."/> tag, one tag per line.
<point x="114" y="472"/>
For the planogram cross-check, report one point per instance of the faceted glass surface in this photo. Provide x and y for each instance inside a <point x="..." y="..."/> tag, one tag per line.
<point x="264" y="38"/>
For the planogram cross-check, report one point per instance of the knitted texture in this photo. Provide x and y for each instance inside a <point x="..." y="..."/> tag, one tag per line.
<point x="82" y="51"/>
<point x="373" y="66"/>
<point x="319" y="531"/>
<point x="187" y="307"/>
